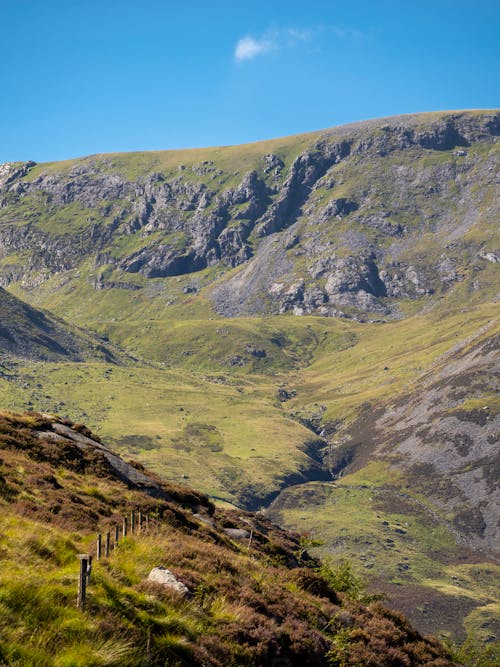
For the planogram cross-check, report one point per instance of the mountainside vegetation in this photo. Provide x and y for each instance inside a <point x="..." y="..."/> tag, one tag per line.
<point x="306" y="326"/>
<point x="248" y="598"/>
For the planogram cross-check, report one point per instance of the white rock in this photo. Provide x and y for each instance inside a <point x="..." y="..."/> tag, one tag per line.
<point x="489" y="256"/>
<point x="160" y="575"/>
<point x="237" y="533"/>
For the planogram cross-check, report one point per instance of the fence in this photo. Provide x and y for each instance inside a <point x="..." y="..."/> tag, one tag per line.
<point x="138" y="524"/>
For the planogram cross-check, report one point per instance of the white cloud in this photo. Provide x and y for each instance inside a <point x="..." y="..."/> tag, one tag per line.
<point x="248" y="47"/>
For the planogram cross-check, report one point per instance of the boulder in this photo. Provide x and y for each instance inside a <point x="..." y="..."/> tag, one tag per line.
<point x="237" y="533"/>
<point x="160" y="575"/>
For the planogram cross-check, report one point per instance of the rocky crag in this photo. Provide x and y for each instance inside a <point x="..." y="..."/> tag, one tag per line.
<point x="361" y="218"/>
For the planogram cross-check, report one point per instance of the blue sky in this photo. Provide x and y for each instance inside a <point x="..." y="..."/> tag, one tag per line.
<point x="87" y="76"/>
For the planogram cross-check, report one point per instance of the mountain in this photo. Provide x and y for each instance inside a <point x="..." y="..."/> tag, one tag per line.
<point x="303" y="326"/>
<point x="363" y="218"/>
<point x="238" y="597"/>
<point x="30" y="333"/>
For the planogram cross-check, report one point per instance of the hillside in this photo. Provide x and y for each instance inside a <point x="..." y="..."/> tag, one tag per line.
<point x="251" y="598"/>
<point x="364" y="218"/>
<point x="302" y="325"/>
<point x="30" y="333"/>
<point x="415" y="498"/>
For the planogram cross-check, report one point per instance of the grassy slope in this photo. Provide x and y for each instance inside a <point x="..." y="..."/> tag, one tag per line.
<point x="26" y="331"/>
<point x="241" y="403"/>
<point x="249" y="604"/>
<point x="401" y="547"/>
<point x="374" y="516"/>
<point x="253" y="443"/>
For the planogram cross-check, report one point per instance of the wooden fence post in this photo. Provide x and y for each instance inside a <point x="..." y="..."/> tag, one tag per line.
<point x="82" y="581"/>
<point x="107" y="544"/>
<point x="99" y="546"/>
<point x="132" y="522"/>
<point x="124" y="526"/>
<point x="140" y="522"/>
<point x="117" y="535"/>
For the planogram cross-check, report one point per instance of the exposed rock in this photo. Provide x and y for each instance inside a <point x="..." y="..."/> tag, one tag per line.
<point x="285" y="395"/>
<point x="291" y="240"/>
<point x="313" y="298"/>
<point x="304" y="172"/>
<point x="100" y="283"/>
<point x="272" y="162"/>
<point x="413" y="276"/>
<point x="233" y="248"/>
<point x="10" y="171"/>
<point x="257" y="352"/>
<point x="383" y="223"/>
<point x="160" y="575"/>
<point x="321" y="266"/>
<point x="235" y="360"/>
<point x="160" y="261"/>
<point x="447" y="271"/>
<point x="352" y="274"/>
<point x="237" y="533"/>
<point x="183" y="221"/>
<point x="492" y="257"/>
<point x="287" y="297"/>
<point x="339" y="208"/>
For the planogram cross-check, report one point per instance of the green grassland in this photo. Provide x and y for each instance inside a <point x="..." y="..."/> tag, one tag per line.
<point x="222" y="429"/>
<point x="387" y="358"/>
<point x="240" y="158"/>
<point x="398" y="543"/>
<point x="257" y="447"/>
<point x="332" y="363"/>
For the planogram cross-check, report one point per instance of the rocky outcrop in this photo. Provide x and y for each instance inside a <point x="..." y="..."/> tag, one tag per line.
<point x="349" y="281"/>
<point x="305" y="171"/>
<point x="11" y="171"/>
<point x="343" y="223"/>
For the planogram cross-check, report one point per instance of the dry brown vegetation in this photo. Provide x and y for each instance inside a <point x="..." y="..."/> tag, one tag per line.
<point x="262" y="602"/>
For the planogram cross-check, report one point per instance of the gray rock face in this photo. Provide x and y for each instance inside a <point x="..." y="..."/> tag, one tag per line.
<point x="160" y="575"/>
<point x="492" y="257"/>
<point x="352" y="274"/>
<point x="304" y="172"/>
<point x="339" y="208"/>
<point x="338" y="225"/>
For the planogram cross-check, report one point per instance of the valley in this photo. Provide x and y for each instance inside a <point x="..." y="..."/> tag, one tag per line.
<point x="307" y="327"/>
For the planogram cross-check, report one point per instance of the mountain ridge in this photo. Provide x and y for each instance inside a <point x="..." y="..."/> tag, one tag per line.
<point x="184" y="224"/>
